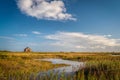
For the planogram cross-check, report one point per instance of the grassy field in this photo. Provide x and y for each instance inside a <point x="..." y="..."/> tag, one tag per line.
<point x="99" y="65"/>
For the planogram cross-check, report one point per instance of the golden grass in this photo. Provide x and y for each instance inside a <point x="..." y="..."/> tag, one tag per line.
<point x="19" y="63"/>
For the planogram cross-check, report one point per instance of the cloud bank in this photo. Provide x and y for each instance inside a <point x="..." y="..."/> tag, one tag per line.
<point x="76" y="40"/>
<point x="45" y="9"/>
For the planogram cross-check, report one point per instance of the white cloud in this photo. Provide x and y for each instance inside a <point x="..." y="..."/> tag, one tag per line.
<point x="108" y="35"/>
<point x="76" y="40"/>
<point x="21" y="35"/>
<point x="45" y="9"/>
<point x="5" y="37"/>
<point x="80" y="47"/>
<point x="36" y="32"/>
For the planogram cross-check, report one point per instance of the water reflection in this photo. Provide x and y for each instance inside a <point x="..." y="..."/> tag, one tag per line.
<point x="67" y="71"/>
<point x="74" y="65"/>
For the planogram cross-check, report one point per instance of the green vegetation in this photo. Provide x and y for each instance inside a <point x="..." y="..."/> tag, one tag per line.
<point x="23" y="66"/>
<point x="101" y="68"/>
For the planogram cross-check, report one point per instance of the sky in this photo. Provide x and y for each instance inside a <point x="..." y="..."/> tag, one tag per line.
<point x="60" y="25"/>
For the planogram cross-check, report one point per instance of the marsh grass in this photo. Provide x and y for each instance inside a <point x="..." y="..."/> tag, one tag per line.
<point x="22" y="66"/>
<point x="101" y="68"/>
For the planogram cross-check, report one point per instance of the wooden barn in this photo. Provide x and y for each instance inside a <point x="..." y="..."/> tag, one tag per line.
<point x="27" y="49"/>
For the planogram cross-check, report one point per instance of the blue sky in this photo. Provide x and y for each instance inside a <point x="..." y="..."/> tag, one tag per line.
<point x="60" y="25"/>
